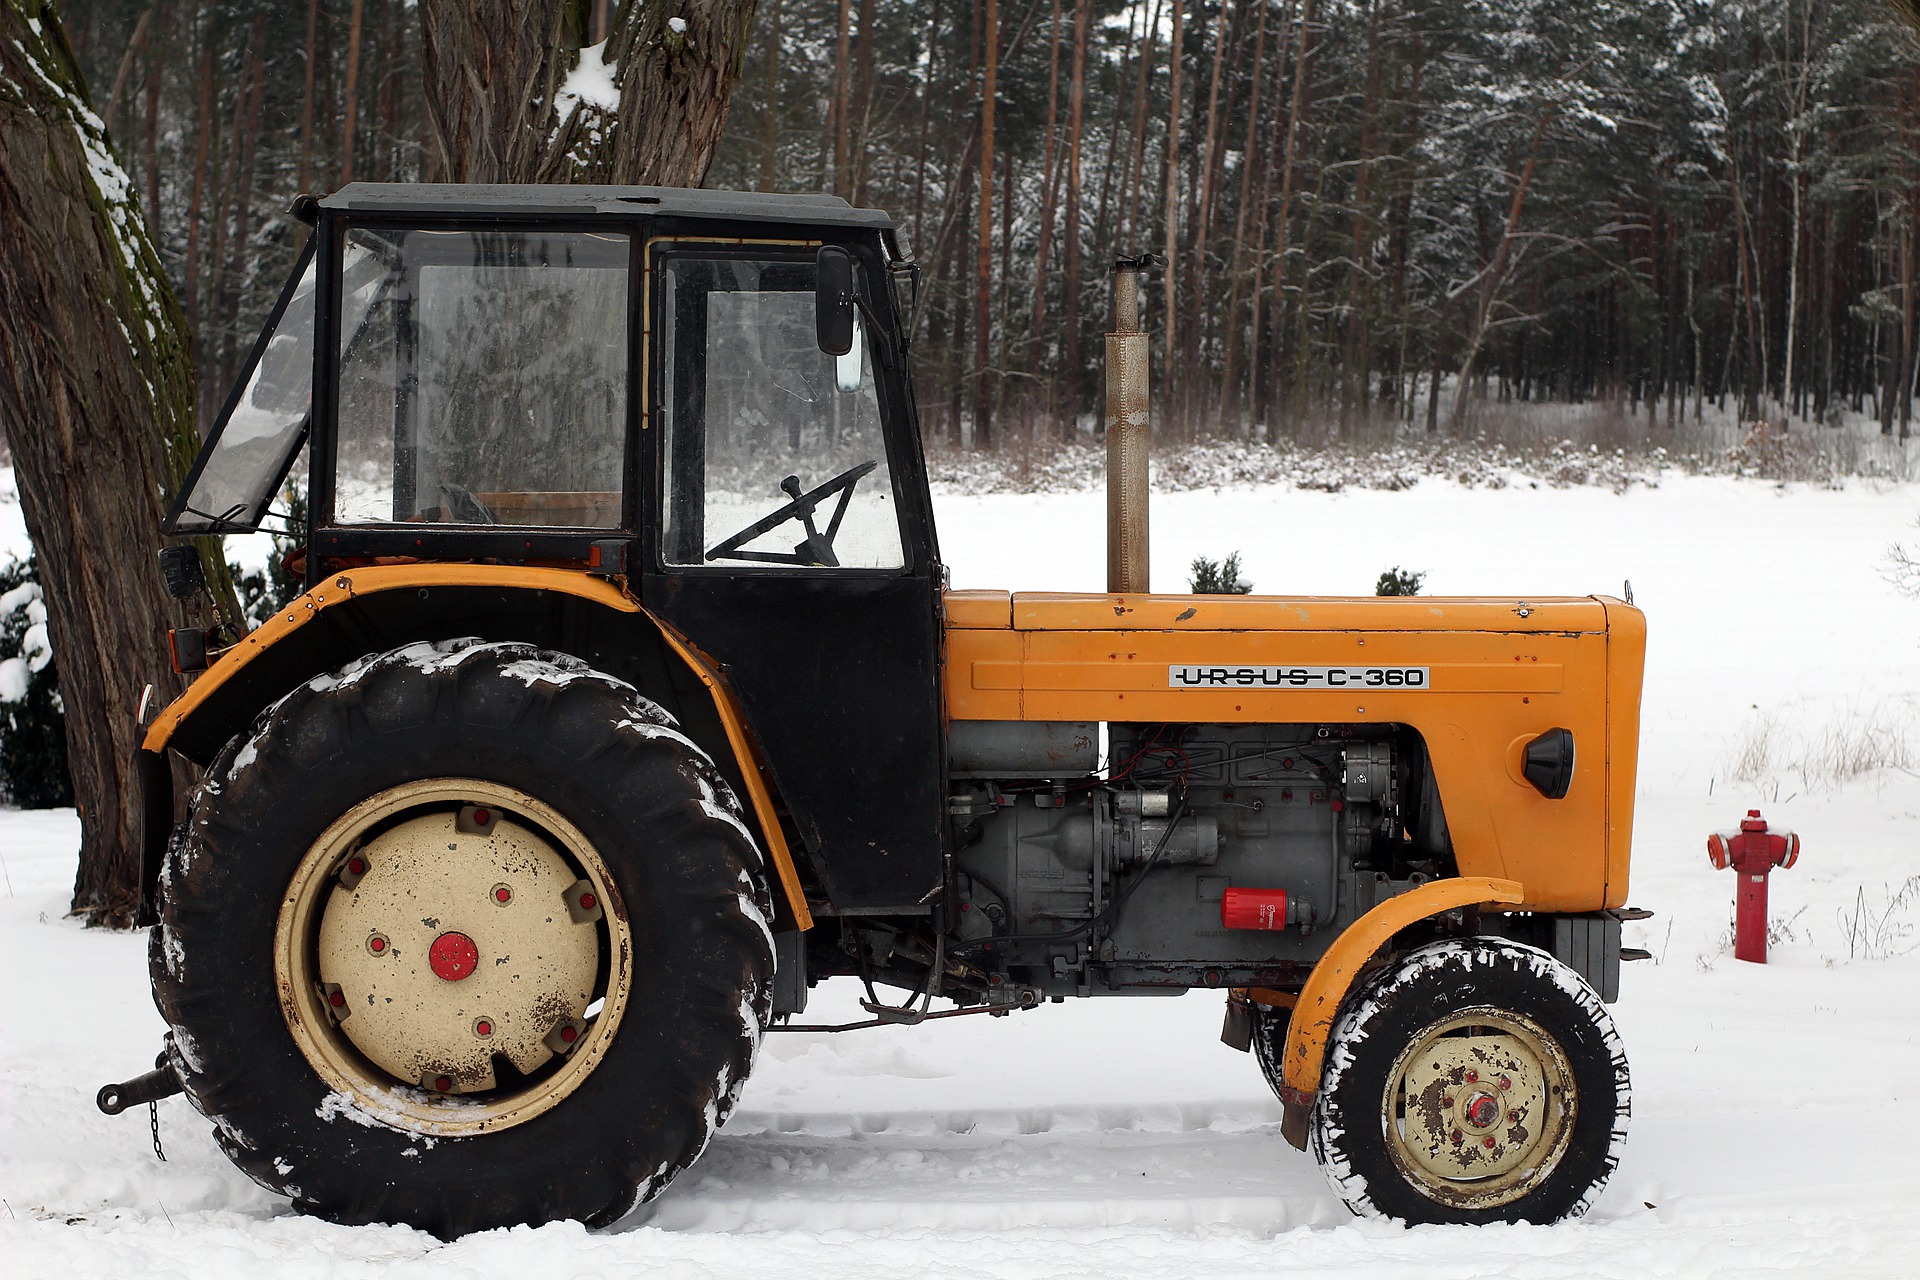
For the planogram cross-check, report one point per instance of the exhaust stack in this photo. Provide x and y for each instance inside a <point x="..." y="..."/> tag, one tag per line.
<point x="1127" y="433"/>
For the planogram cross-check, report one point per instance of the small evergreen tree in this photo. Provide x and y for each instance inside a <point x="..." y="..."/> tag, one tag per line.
<point x="1399" y="582"/>
<point x="33" y="721"/>
<point x="1220" y="578"/>
<point x="265" y="592"/>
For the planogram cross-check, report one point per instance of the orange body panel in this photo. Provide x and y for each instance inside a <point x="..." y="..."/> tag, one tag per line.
<point x="1501" y="673"/>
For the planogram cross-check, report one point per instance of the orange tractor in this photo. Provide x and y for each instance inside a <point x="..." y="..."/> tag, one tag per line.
<point x="626" y="701"/>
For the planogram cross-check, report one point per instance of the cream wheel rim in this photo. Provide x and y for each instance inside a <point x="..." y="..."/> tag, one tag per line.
<point x="1479" y="1108"/>
<point x="452" y="957"/>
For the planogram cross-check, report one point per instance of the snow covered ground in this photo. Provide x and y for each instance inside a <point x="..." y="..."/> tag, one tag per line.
<point x="1774" y="1107"/>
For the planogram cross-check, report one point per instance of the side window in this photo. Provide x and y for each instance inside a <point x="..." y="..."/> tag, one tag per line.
<point x="774" y="452"/>
<point x="252" y="446"/>
<point x="483" y="378"/>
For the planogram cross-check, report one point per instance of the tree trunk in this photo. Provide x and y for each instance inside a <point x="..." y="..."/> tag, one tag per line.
<point x="1493" y="276"/>
<point x="862" y="104"/>
<point x="203" y="136"/>
<point x="1076" y="115"/>
<point x="1135" y="175"/>
<point x="770" y="143"/>
<point x="491" y="79"/>
<point x="99" y="430"/>
<point x="351" y="94"/>
<point x="306" y="98"/>
<point x="1170" y="376"/>
<point x="838" y="109"/>
<point x="1043" y="247"/>
<point x="1283" y="216"/>
<point x="1257" y="144"/>
<point x="983" y="280"/>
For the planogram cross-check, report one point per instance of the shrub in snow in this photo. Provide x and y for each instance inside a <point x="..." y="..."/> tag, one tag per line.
<point x="263" y="592"/>
<point x="1399" y="582"/>
<point x="33" y="722"/>
<point x="1220" y="578"/>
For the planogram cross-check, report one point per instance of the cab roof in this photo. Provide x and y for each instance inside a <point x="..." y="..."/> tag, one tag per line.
<point x="453" y="199"/>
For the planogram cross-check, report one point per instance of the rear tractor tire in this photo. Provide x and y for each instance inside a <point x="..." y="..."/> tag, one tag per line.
<point x="1472" y="1081"/>
<point x="464" y="936"/>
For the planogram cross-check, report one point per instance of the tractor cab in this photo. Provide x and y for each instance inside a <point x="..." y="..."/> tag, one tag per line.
<point x="498" y="365"/>
<point x="704" y="394"/>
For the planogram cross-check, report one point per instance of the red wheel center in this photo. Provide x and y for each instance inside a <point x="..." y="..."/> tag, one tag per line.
<point x="453" y="956"/>
<point x="1483" y="1111"/>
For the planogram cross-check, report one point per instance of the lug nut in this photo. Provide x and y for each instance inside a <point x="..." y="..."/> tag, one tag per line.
<point x="502" y="894"/>
<point x="443" y="1084"/>
<point x="356" y="866"/>
<point x="1446" y="1102"/>
<point x="337" y="999"/>
<point x="482" y="1027"/>
<point x="1505" y="1083"/>
<point x="1488" y="1144"/>
<point x="483" y="816"/>
<point x="569" y="1034"/>
<point x="1513" y="1117"/>
<point x="587" y="901"/>
<point x="1472" y="1076"/>
<point x="377" y="944"/>
<point x="1457" y="1136"/>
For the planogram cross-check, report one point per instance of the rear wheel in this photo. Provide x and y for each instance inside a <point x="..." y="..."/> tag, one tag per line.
<point x="1476" y="1080"/>
<point x="465" y="936"/>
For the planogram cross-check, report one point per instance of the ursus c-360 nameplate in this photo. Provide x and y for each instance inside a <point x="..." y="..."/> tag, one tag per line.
<point x="1204" y="677"/>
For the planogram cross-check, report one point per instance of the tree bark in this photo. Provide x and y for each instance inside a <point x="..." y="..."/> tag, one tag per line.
<point x="99" y="428"/>
<point x="1170" y="376"/>
<point x="492" y="72"/>
<point x="1043" y="246"/>
<point x="1076" y="116"/>
<point x="352" y="93"/>
<point x="1229" y="389"/>
<point x="863" y="103"/>
<point x="770" y="126"/>
<point x="983" y="279"/>
<point x="839" y="109"/>
<point x="1283" y="215"/>
<point x="306" y="98"/>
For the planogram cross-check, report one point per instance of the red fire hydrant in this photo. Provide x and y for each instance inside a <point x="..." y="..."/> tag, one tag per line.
<point x="1753" y="851"/>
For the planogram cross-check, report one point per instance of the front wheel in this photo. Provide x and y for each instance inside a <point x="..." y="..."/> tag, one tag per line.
<point x="464" y="936"/>
<point x="1475" y="1080"/>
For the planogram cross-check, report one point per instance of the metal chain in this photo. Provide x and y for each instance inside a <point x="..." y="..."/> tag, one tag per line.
<point x="153" y="1123"/>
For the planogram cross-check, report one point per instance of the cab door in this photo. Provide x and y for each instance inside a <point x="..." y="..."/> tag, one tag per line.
<point x="790" y="540"/>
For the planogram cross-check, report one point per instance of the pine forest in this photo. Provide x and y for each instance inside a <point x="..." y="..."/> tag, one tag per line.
<point x="1377" y="217"/>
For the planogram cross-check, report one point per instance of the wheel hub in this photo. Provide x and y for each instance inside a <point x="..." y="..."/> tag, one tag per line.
<point x="457" y="945"/>
<point x="1480" y="1108"/>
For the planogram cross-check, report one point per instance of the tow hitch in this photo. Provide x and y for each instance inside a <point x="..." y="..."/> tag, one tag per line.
<point x="161" y="1082"/>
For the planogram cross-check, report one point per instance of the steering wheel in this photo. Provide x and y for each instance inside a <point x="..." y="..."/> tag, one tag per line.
<point x="817" y="547"/>
<point x="464" y="508"/>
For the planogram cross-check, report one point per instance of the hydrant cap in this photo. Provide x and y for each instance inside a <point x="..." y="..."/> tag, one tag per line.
<point x="1717" y="850"/>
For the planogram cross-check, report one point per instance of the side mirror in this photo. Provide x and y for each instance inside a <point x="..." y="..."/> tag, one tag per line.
<point x="833" y="306"/>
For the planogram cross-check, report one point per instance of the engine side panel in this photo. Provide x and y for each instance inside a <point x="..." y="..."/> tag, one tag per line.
<point x="1497" y="674"/>
<point x="1139" y="881"/>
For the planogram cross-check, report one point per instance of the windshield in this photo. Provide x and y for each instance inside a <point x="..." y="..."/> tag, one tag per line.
<point x="254" y="439"/>
<point x="484" y="380"/>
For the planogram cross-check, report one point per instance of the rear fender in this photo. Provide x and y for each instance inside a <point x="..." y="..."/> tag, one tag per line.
<point x="376" y="609"/>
